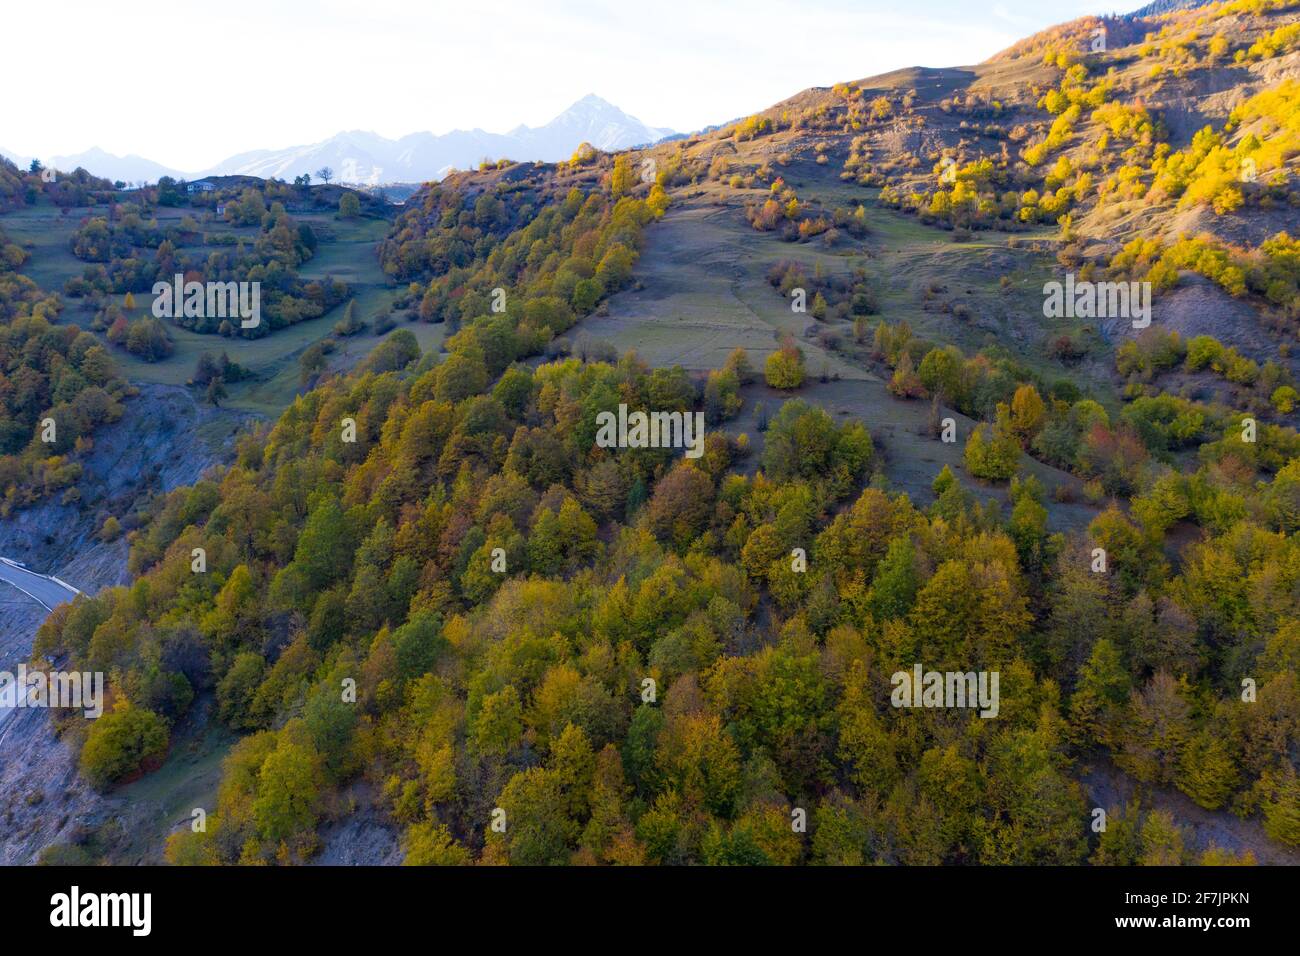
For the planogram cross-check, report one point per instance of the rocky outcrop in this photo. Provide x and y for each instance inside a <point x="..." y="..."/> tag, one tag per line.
<point x="165" y="439"/>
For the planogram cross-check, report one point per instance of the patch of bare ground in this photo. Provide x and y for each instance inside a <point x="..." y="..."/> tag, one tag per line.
<point x="1237" y="229"/>
<point x="1196" y="306"/>
<point x="1110" y="788"/>
<point x="363" y="835"/>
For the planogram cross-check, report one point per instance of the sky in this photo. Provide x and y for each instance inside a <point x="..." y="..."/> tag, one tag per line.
<point x="188" y="84"/>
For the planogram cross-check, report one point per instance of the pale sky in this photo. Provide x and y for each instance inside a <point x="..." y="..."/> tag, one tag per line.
<point x="189" y="84"/>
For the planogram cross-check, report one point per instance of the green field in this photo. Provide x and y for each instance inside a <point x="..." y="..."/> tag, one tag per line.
<point x="703" y="291"/>
<point x="347" y="251"/>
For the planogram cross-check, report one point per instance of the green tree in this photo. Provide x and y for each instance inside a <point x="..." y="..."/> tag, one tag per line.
<point x="120" y="742"/>
<point x="431" y="844"/>
<point x="539" y="830"/>
<point x="288" y="789"/>
<point x="991" y="455"/>
<point x="349" y="206"/>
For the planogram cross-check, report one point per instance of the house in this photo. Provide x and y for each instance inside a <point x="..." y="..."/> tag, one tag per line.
<point x="221" y="210"/>
<point x="202" y="186"/>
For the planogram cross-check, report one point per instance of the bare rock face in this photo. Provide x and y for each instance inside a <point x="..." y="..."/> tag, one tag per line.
<point x="42" y="799"/>
<point x="157" y="445"/>
<point x="364" y="837"/>
<point x="1199" y="307"/>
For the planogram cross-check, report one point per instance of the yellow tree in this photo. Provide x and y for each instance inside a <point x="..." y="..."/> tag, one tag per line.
<point x="622" y="180"/>
<point x="784" y="368"/>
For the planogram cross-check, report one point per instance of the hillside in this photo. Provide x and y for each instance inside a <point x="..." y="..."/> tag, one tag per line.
<point x="434" y="606"/>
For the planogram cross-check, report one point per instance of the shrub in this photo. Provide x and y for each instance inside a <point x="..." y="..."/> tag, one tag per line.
<point x="1284" y="399"/>
<point x="120" y="742"/>
<point x="1202" y="351"/>
<point x="784" y="367"/>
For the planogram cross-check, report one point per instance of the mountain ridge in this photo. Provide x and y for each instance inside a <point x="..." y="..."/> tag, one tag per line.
<point x="363" y="157"/>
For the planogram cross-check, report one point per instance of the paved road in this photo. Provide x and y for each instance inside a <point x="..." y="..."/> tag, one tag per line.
<point x="45" y="591"/>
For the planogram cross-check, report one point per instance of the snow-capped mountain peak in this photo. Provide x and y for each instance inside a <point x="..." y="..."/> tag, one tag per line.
<point x="364" y="157"/>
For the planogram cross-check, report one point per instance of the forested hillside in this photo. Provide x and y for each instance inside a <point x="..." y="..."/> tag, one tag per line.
<point x="428" y="584"/>
<point x="331" y="564"/>
<point x="48" y="372"/>
<point x="65" y="189"/>
<point x="372" y="562"/>
<point x="128" y="252"/>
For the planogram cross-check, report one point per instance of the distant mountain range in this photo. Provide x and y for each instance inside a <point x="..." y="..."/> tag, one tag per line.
<point x="94" y="160"/>
<point x="364" y="158"/>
